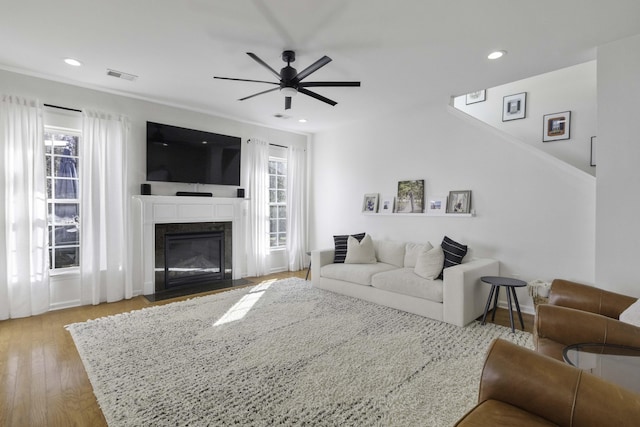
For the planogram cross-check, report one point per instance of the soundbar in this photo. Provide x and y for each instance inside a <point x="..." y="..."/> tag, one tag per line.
<point x="193" y="193"/>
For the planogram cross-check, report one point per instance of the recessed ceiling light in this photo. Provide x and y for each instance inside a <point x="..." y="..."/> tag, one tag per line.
<point x="74" y="62"/>
<point x="497" y="54"/>
<point x="302" y="120"/>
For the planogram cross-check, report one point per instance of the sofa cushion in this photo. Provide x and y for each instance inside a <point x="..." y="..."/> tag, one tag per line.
<point x="340" y="242"/>
<point x="360" y="252"/>
<point x="453" y="253"/>
<point x="390" y="252"/>
<point x="405" y="281"/>
<point x="429" y="263"/>
<point x="411" y="252"/>
<point x="354" y="273"/>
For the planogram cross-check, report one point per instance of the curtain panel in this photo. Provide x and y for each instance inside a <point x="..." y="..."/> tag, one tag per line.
<point x="24" y="269"/>
<point x="104" y="261"/>
<point x="296" y="204"/>
<point x="257" y="179"/>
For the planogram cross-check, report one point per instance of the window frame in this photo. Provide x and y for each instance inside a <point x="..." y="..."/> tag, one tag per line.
<point x="281" y="245"/>
<point x="50" y="160"/>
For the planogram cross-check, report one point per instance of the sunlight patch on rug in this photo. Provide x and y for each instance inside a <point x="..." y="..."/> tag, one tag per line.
<point x="291" y="355"/>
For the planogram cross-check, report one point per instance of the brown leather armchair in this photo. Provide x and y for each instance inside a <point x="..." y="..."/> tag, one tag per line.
<point x="520" y="387"/>
<point x="578" y="313"/>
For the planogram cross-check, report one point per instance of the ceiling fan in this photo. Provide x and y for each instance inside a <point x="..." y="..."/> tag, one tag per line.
<point x="290" y="81"/>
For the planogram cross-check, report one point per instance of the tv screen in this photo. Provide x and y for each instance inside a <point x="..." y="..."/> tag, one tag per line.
<point x="176" y="154"/>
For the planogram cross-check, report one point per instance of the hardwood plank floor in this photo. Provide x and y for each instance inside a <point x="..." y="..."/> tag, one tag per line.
<point x="42" y="379"/>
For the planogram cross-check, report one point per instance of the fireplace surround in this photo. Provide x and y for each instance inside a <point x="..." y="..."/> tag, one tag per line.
<point x="184" y="214"/>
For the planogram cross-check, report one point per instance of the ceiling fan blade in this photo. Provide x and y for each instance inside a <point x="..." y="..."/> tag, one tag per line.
<point x="245" y="80"/>
<point x="287" y="103"/>
<point x="259" y="93"/>
<point x="329" y="84"/>
<point x="316" y="96"/>
<point x="314" y="67"/>
<point x="264" y="64"/>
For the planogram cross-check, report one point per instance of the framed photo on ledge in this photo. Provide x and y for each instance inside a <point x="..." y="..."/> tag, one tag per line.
<point x="370" y="203"/>
<point x="478" y="96"/>
<point x="459" y="202"/>
<point x="556" y="126"/>
<point x="514" y="107"/>
<point x="437" y="205"/>
<point x="387" y="204"/>
<point x="410" y="196"/>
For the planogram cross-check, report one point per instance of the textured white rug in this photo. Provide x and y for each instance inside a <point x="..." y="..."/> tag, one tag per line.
<point x="283" y="353"/>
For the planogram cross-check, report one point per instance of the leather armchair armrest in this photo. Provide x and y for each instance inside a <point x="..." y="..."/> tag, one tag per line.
<point x="556" y="327"/>
<point x="588" y="298"/>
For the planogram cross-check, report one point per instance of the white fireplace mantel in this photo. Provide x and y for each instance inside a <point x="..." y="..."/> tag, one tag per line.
<point x="154" y="210"/>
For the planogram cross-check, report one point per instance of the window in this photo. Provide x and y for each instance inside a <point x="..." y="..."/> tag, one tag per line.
<point x="277" y="202"/>
<point x="63" y="203"/>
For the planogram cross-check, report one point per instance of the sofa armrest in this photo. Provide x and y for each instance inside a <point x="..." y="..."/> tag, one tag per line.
<point x="555" y="391"/>
<point x="320" y="258"/>
<point x="588" y="298"/>
<point x="464" y="297"/>
<point x="556" y="327"/>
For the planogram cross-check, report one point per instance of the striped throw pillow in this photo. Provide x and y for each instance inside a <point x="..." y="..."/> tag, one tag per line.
<point x="340" y="242"/>
<point x="453" y="253"/>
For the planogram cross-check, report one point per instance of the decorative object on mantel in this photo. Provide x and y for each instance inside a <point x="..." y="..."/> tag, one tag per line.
<point x="478" y="96"/>
<point x="593" y="151"/>
<point x="437" y="205"/>
<point x="514" y="107"/>
<point x="459" y="202"/>
<point x="387" y="204"/>
<point x="539" y="291"/>
<point x="556" y="126"/>
<point x="410" y="196"/>
<point x="310" y="357"/>
<point x="370" y="203"/>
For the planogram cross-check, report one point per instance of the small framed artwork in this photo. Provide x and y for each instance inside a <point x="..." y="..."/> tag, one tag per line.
<point x="410" y="196"/>
<point x="514" y="107"/>
<point x="370" y="203"/>
<point x="557" y="126"/>
<point x="459" y="202"/>
<point x="473" y="97"/>
<point x="593" y="151"/>
<point x="437" y="205"/>
<point x="387" y="204"/>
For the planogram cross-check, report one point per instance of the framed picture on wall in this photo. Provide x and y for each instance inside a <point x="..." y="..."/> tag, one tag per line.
<point x="514" y="107"/>
<point x="370" y="203"/>
<point x="459" y="202"/>
<point x="556" y="126"/>
<point x="478" y="96"/>
<point x="410" y="196"/>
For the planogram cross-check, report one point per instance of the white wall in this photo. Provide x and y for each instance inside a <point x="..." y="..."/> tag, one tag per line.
<point x="618" y="188"/>
<point x="139" y="112"/>
<point x="535" y="214"/>
<point x="569" y="89"/>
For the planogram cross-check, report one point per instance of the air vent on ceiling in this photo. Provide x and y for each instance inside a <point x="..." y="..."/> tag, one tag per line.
<point x="121" y="75"/>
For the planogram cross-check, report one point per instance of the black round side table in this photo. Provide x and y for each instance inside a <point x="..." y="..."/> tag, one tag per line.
<point x="509" y="283"/>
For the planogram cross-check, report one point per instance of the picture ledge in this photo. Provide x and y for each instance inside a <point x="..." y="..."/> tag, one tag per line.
<point x="449" y="215"/>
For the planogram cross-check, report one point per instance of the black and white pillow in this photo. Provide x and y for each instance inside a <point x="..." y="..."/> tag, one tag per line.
<point x="453" y="253"/>
<point x="340" y="242"/>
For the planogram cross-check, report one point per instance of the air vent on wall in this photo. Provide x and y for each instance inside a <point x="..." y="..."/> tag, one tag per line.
<point x="121" y="75"/>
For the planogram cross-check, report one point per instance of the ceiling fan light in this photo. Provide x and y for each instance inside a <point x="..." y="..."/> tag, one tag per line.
<point x="288" y="91"/>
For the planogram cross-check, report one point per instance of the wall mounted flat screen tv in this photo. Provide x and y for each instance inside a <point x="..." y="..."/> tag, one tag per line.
<point x="176" y="154"/>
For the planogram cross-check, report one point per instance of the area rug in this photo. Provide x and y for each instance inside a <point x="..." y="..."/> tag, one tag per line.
<point x="283" y="353"/>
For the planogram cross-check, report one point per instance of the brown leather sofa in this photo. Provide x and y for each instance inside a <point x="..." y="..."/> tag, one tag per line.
<point x="520" y="387"/>
<point x="578" y="313"/>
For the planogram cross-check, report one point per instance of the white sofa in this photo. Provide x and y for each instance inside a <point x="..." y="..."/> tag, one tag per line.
<point x="457" y="299"/>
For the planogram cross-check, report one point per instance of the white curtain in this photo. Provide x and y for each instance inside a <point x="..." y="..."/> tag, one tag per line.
<point x="104" y="215"/>
<point x="257" y="179"/>
<point x="24" y="269"/>
<point x="296" y="203"/>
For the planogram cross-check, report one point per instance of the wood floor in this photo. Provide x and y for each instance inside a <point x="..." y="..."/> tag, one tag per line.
<point x="42" y="379"/>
